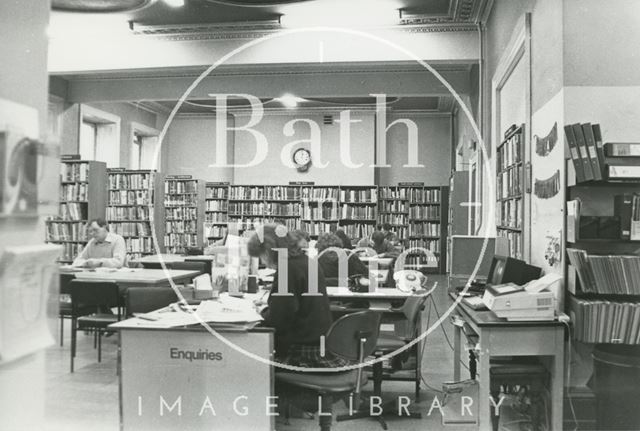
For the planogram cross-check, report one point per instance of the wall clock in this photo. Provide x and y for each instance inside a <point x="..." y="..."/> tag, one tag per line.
<point x="302" y="159"/>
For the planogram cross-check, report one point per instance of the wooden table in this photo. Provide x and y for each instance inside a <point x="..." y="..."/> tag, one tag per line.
<point x="499" y="337"/>
<point x="127" y="277"/>
<point x="381" y="293"/>
<point x="173" y="258"/>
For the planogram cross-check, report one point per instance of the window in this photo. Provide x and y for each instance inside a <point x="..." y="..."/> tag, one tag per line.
<point x="99" y="136"/>
<point x="144" y="142"/>
<point x="88" y="140"/>
<point x="136" y="151"/>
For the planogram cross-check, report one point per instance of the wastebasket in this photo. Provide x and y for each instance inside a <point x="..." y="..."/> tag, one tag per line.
<point x="617" y="386"/>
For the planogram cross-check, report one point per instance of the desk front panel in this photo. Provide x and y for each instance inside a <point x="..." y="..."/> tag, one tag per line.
<point x="163" y="387"/>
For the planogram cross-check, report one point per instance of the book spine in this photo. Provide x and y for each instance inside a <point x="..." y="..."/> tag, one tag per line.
<point x="584" y="153"/>
<point x="574" y="152"/>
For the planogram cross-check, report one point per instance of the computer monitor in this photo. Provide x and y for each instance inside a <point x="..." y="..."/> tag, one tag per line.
<point x="509" y="270"/>
<point x="466" y="250"/>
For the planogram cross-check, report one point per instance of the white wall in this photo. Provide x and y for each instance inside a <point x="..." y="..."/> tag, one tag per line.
<point x="272" y="170"/>
<point x="434" y="150"/>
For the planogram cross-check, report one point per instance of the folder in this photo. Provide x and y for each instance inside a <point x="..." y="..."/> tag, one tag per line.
<point x="597" y="135"/>
<point x="635" y="218"/>
<point x="622" y="208"/>
<point x="584" y="154"/>
<point x="622" y="149"/>
<point x="574" y="152"/>
<point x="592" y="151"/>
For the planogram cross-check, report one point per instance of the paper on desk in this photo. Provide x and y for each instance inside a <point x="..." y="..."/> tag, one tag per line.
<point x="228" y="310"/>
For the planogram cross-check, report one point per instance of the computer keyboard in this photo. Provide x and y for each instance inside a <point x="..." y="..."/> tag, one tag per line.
<point x="474" y="302"/>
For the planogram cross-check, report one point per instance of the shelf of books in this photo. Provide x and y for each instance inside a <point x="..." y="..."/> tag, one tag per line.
<point x="133" y="209"/>
<point x="184" y="206"/>
<point x="509" y="190"/>
<point x="458" y="220"/>
<point x="319" y="209"/>
<point x="358" y="207"/>
<point x="603" y="237"/>
<point x="83" y="190"/>
<point x="282" y="205"/>
<point x="215" y="212"/>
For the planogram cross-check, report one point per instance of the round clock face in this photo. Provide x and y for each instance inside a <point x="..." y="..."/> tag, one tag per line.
<point x="302" y="157"/>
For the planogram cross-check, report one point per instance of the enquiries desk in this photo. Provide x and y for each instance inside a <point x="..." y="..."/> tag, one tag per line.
<point x="187" y="378"/>
<point x="498" y="337"/>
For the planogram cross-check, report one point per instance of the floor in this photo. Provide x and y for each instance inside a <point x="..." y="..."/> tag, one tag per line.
<point x="88" y="398"/>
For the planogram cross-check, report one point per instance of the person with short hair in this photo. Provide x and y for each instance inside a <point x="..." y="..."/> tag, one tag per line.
<point x="329" y="261"/>
<point x="104" y="249"/>
<point x="389" y="235"/>
<point x="379" y="244"/>
<point x="346" y="242"/>
<point x="299" y="320"/>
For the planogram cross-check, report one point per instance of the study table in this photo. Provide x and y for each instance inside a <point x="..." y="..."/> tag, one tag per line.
<point x="499" y="337"/>
<point x="127" y="277"/>
<point x="188" y="378"/>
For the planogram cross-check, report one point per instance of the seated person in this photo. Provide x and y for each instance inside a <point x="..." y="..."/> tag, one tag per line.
<point x="346" y="242"/>
<point x="299" y="320"/>
<point x="302" y="237"/>
<point x="104" y="249"/>
<point x="329" y="260"/>
<point x="379" y="244"/>
<point x="389" y="235"/>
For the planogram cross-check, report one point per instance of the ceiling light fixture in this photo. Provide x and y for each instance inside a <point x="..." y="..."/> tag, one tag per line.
<point x="174" y="3"/>
<point x="289" y="100"/>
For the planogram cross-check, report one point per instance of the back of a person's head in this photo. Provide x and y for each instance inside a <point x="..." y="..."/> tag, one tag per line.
<point x="327" y="240"/>
<point x="377" y="237"/>
<point x="386" y="226"/>
<point x="270" y="237"/>
<point x="346" y="242"/>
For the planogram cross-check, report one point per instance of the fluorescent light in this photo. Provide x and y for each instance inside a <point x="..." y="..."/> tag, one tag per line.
<point x="289" y="100"/>
<point x="174" y="3"/>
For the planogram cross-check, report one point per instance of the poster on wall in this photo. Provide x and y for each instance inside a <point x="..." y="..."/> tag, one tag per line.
<point x="548" y="175"/>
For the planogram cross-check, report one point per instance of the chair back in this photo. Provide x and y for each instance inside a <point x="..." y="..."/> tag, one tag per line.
<point x="412" y="307"/>
<point x="145" y="299"/>
<point x="354" y="336"/>
<point x="188" y="265"/>
<point x="65" y="283"/>
<point x="94" y="294"/>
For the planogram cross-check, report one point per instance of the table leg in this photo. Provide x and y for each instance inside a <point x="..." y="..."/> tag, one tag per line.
<point x="456" y="353"/>
<point x="557" y="383"/>
<point x="484" y="388"/>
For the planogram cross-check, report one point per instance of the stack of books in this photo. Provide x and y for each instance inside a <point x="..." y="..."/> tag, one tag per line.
<point x="614" y="275"/>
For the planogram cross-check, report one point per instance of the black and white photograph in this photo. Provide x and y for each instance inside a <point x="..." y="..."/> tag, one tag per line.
<point x="297" y="215"/>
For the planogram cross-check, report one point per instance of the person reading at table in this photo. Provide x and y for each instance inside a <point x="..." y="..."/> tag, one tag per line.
<point x="104" y="249"/>
<point x="329" y="260"/>
<point x="379" y="244"/>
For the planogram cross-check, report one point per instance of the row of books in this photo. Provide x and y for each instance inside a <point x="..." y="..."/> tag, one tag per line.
<point x="176" y="242"/>
<point x="181" y="213"/>
<point x="424" y="212"/>
<point x="393" y="206"/>
<point x="246" y="208"/>
<point x="358" y="230"/>
<point x="139" y="245"/>
<point x="213" y="192"/>
<point x="424" y="195"/>
<point x="189" y="226"/>
<point x="510" y="213"/>
<point x="211" y="231"/>
<point x="320" y="212"/>
<point x="586" y="151"/>
<point x="217" y="205"/>
<point x="66" y="231"/>
<point x="246" y="192"/>
<point x="180" y="200"/>
<point x="319" y="194"/>
<point x="119" y="181"/>
<point x="597" y="321"/>
<point x="509" y="183"/>
<point x="357" y="212"/>
<point x="128" y="213"/>
<point x="317" y="227"/>
<point x="619" y="275"/>
<point x="283" y="209"/>
<point x="428" y="229"/>
<point x="130" y="228"/>
<point x="130" y="197"/>
<point x="75" y="171"/>
<point x="215" y="217"/>
<point x="509" y="152"/>
<point x="393" y="218"/>
<point x="282" y="193"/>
<point x="392" y="193"/>
<point x="515" y="242"/>
<point x="70" y="251"/>
<point x="360" y="195"/>
<point x="414" y="260"/>
<point x="74" y="192"/>
<point x="73" y="211"/>
<point x="430" y="244"/>
<point x="627" y="208"/>
<point x="178" y="187"/>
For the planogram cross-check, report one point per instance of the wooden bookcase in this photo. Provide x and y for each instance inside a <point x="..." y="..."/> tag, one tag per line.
<point x="184" y="206"/>
<point x="135" y="210"/>
<point x="319" y="209"/>
<point x="458" y="213"/>
<point x="510" y="190"/>
<point x="215" y="212"/>
<point x="83" y="195"/>
<point x="358" y="205"/>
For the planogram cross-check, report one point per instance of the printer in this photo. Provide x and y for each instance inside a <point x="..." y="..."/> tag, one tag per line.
<point x="533" y="301"/>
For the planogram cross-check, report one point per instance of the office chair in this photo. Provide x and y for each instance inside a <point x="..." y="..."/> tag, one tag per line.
<point x="96" y="295"/>
<point x="352" y="337"/>
<point x="389" y="342"/>
<point x="146" y="299"/>
<point x="64" y="304"/>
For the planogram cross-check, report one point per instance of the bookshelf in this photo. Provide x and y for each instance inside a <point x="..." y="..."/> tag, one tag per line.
<point x="358" y="205"/>
<point x="184" y="206"/>
<point x="134" y="210"/>
<point x="215" y="212"/>
<point x="83" y="191"/>
<point x="603" y="274"/>
<point x="509" y="190"/>
<point x="319" y="209"/>
<point x="459" y="216"/>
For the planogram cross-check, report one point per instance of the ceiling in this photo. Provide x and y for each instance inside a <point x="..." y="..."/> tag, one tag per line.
<point x="159" y="13"/>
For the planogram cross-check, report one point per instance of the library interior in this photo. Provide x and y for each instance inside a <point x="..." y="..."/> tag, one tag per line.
<point x="319" y="214"/>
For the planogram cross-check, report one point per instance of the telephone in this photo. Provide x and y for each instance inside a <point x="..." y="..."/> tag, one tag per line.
<point x="358" y="283"/>
<point x="409" y="280"/>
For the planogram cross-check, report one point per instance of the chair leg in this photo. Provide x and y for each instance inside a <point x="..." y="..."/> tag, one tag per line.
<point x="99" y="334"/>
<point x="95" y="338"/>
<point x="61" y="331"/>
<point x="73" y="340"/>
<point x="377" y="378"/>
<point x="326" y="415"/>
